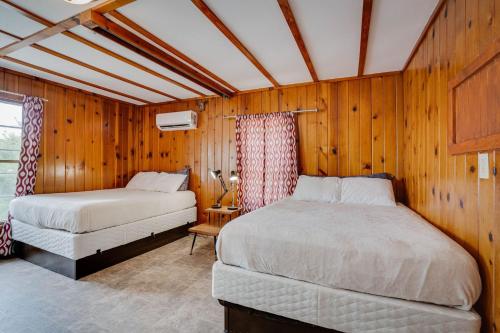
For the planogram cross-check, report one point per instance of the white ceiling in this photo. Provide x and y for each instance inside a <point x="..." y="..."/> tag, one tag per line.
<point x="261" y="26"/>
<point x="184" y="27"/>
<point x="102" y="41"/>
<point x="394" y="29"/>
<point x="6" y="40"/>
<point x="58" y="79"/>
<point x="17" y="24"/>
<point x="39" y="58"/>
<point x="75" y="49"/>
<point x="330" y="28"/>
<point x="331" y="32"/>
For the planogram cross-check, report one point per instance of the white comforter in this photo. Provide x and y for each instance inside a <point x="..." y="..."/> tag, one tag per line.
<point x="80" y="212"/>
<point x="386" y="251"/>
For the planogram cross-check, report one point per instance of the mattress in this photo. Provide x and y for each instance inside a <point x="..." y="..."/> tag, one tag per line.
<point x="385" y="251"/>
<point x="77" y="246"/>
<point x="80" y="212"/>
<point x="342" y="310"/>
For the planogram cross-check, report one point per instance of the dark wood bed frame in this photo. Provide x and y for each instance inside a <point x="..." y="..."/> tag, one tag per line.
<point x="77" y="269"/>
<point x="240" y="319"/>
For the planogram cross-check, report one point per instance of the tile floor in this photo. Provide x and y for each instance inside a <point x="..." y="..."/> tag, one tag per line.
<point x="165" y="290"/>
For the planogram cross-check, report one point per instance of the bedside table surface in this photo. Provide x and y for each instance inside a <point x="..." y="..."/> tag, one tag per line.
<point x="223" y="210"/>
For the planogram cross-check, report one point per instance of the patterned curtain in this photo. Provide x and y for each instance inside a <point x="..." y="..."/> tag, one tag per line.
<point x="266" y="158"/>
<point x="26" y="173"/>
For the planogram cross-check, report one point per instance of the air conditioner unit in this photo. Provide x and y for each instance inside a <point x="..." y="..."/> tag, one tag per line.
<point x="177" y="121"/>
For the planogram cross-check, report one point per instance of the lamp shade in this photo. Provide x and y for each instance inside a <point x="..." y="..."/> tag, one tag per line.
<point x="214" y="173"/>
<point x="234" y="176"/>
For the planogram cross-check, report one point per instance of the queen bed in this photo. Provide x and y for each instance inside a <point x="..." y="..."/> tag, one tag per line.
<point x="338" y="265"/>
<point x="79" y="233"/>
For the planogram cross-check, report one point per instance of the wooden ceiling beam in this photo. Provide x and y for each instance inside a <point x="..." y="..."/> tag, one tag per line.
<point x="111" y="5"/>
<point x="233" y="39"/>
<point x="32" y="16"/>
<point x="93" y="68"/>
<point x="64" y="76"/>
<point x="107" y="28"/>
<point x="133" y="25"/>
<point x="365" y="32"/>
<point x="40" y="35"/>
<point x="59" y="27"/>
<point x="294" y="28"/>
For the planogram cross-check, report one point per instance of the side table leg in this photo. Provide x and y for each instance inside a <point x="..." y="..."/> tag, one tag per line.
<point x="215" y="241"/>
<point x="192" y="245"/>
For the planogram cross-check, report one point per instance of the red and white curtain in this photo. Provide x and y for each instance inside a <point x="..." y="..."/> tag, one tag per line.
<point x="266" y="158"/>
<point x="26" y="173"/>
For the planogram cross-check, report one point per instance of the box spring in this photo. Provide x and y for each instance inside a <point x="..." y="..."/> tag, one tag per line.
<point x="335" y="309"/>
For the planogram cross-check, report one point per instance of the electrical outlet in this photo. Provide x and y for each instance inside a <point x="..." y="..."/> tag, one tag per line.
<point x="484" y="166"/>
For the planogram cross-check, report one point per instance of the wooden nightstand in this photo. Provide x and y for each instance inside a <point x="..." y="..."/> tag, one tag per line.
<point x="212" y="230"/>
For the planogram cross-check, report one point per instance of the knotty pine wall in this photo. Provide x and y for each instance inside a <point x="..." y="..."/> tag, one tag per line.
<point x="89" y="141"/>
<point x="358" y="130"/>
<point x="444" y="188"/>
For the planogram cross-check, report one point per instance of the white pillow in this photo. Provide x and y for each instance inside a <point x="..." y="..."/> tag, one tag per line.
<point x="155" y="181"/>
<point x="169" y="182"/>
<point x="322" y="189"/>
<point x="367" y="191"/>
<point x="145" y="181"/>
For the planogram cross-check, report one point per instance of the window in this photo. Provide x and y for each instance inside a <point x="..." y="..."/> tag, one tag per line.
<point x="10" y="146"/>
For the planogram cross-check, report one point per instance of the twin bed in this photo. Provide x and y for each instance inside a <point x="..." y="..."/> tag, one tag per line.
<point x="316" y="265"/>
<point x="76" y="234"/>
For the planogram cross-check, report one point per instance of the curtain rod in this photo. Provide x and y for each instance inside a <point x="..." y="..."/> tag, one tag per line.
<point x="21" y="95"/>
<point x="296" y="111"/>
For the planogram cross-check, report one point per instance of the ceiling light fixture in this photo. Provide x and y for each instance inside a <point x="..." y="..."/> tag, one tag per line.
<point x="79" y="2"/>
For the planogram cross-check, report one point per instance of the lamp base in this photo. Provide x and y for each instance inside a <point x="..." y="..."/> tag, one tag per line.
<point x="232" y="208"/>
<point x="217" y="205"/>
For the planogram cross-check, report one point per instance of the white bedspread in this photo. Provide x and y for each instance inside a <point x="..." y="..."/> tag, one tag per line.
<point x="80" y="212"/>
<point x="386" y="251"/>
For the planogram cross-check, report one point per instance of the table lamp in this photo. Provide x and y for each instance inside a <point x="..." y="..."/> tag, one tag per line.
<point x="233" y="178"/>
<point x="216" y="174"/>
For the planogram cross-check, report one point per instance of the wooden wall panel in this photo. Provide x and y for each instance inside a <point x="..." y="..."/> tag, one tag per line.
<point x="89" y="142"/>
<point x="337" y="140"/>
<point x="444" y="188"/>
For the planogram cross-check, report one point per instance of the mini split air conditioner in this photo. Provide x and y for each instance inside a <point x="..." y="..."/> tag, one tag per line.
<point x="177" y="121"/>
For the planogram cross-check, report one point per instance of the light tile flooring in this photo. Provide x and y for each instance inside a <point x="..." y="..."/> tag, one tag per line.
<point x="165" y="290"/>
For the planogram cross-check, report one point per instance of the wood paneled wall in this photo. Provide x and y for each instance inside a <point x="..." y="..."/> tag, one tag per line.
<point x="92" y="142"/>
<point x="89" y="141"/>
<point x="358" y="130"/>
<point x="444" y="188"/>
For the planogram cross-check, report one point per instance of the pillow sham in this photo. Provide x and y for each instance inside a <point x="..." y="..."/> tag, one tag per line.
<point x="322" y="189"/>
<point x="156" y="181"/>
<point x="367" y="191"/>
<point x="169" y="182"/>
<point x="145" y="181"/>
